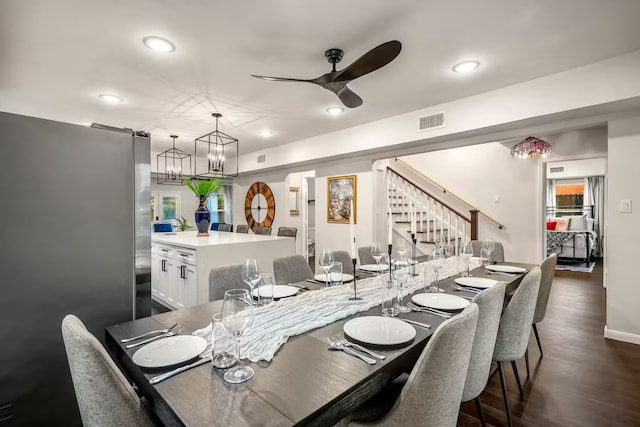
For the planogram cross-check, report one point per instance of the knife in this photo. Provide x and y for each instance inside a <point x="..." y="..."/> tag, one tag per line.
<point x="413" y="322"/>
<point x="167" y="375"/>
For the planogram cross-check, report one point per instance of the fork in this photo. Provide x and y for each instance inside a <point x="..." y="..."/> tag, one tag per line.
<point x="457" y="287"/>
<point x="159" y="331"/>
<point x="337" y="344"/>
<point x="429" y="310"/>
<point x="148" y="340"/>
<point x="347" y="343"/>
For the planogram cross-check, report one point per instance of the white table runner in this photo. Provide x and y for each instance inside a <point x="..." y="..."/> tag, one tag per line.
<point x="275" y="323"/>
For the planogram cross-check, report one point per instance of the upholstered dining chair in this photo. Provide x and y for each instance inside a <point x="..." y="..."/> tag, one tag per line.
<point x="364" y="253"/>
<point x="440" y="370"/>
<point x="287" y="232"/>
<point x="345" y="259"/>
<point x="264" y="231"/>
<point x="225" y="227"/>
<point x="490" y="304"/>
<point x="548" y="269"/>
<point x="105" y="398"/>
<point x="514" y="330"/>
<point x="497" y="255"/>
<point x="223" y="278"/>
<point x="242" y="228"/>
<point x="291" y="269"/>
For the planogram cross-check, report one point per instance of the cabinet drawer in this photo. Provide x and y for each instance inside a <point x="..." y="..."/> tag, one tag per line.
<point x="160" y="249"/>
<point x="186" y="255"/>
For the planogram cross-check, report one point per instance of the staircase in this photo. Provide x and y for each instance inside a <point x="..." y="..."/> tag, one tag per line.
<point x="437" y="222"/>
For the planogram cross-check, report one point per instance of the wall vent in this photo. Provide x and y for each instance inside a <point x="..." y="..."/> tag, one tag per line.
<point x="262" y="158"/>
<point x="557" y="169"/>
<point x="434" y="121"/>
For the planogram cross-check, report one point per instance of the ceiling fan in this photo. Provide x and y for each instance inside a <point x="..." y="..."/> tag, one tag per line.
<point x="336" y="81"/>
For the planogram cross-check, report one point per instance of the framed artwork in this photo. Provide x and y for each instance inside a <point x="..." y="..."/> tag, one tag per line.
<point x="341" y="190"/>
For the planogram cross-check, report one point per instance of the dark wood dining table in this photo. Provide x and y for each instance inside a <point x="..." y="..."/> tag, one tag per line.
<point x="304" y="384"/>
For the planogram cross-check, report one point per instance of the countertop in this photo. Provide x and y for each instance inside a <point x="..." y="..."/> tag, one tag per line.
<point x="215" y="238"/>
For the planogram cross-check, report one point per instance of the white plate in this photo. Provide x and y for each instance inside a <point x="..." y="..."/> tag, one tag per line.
<point x="440" y="301"/>
<point x="279" y="291"/>
<point x="506" y="268"/>
<point x="169" y="351"/>
<point x="379" y="330"/>
<point x="476" y="282"/>
<point x="374" y="268"/>
<point x="334" y="277"/>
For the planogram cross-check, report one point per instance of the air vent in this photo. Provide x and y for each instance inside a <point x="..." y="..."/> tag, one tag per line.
<point x="434" y="121"/>
<point x="262" y="158"/>
<point x="557" y="169"/>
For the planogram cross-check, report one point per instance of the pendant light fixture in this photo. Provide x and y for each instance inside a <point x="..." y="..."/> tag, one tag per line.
<point x="216" y="154"/>
<point x="172" y="164"/>
<point x="531" y="147"/>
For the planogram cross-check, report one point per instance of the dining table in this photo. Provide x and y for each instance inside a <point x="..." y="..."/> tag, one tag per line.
<point x="303" y="384"/>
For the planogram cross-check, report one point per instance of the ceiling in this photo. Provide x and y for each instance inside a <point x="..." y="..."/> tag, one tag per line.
<point x="57" y="56"/>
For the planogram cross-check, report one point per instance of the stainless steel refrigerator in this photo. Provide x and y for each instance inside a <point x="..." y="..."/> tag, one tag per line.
<point x="74" y="238"/>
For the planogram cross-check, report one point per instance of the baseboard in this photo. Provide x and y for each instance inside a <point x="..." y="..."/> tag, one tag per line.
<point x="621" y="336"/>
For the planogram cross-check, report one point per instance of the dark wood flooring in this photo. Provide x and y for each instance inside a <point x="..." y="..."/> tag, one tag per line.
<point x="583" y="379"/>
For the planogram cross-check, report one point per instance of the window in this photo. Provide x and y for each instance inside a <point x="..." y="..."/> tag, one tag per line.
<point x="570" y="196"/>
<point x="165" y="207"/>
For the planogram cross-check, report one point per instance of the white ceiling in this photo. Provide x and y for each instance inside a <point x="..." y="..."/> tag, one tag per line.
<point x="57" y="56"/>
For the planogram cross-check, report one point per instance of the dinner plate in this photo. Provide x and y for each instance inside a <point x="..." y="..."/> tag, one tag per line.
<point x="169" y="351"/>
<point x="335" y="277"/>
<point x="279" y="291"/>
<point x="506" y="268"/>
<point x="378" y="330"/>
<point x="476" y="282"/>
<point x="374" y="268"/>
<point x="440" y="301"/>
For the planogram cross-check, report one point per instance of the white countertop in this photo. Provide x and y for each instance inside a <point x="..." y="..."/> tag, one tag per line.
<point x="191" y="240"/>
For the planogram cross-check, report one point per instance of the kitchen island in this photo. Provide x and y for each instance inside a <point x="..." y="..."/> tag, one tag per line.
<point x="180" y="262"/>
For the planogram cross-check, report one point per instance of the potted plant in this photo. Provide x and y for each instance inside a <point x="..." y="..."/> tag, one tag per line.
<point x="202" y="189"/>
<point x="183" y="225"/>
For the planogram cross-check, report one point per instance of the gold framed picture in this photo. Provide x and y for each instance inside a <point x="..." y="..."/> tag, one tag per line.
<point x="341" y="191"/>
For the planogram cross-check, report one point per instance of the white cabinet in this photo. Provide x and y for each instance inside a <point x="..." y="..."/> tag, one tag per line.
<point x="173" y="275"/>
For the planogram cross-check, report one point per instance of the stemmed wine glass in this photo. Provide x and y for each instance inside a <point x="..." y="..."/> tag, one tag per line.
<point x="488" y="244"/>
<point x="237" y="317"/>
<point x="401" y="274"/>
<point x="466" y="252"/>
<point x="402" y="249"/>
<point x="251" y="276"/>
<point x="437" y="260"/>
<point x="326" y="262"/>
<point x="377" y="254"/>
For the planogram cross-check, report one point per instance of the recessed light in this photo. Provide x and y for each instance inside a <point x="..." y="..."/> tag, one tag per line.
<point x="466" y="66"/>
<point x="158" y="44"/>
<point x="335" y="110"/>
<point x="265" y="133"/>
<point x="110" y="98"/>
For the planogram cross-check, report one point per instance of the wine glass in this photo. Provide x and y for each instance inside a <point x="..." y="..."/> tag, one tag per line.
<point x="488" y="244"/>
<point x="402" y="249"/>
<point x="237" y="317"/>
<point x="251" y="275"/>
<point x="326" y="262"/>
<point x="437" y="260"/>
<point x="466" y="252"/>
<point x="377" y="254"/>
<point x="401" y="275"/>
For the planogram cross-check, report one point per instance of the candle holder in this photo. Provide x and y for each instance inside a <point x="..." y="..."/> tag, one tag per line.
<point x="413" y="254"/>
<point x="355" y="286"/>
<point x="390" y="248"/>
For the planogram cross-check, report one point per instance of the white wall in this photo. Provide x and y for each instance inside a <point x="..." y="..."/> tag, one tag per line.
<point x="623" y="232"/>
<point x="577" y="168"/>
<point x="582" y="143"/>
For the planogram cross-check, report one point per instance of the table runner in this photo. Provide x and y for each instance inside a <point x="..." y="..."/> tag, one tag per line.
<point x="275" y="323"/>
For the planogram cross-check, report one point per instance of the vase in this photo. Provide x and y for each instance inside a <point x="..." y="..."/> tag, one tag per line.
<point x="203" y="217"/>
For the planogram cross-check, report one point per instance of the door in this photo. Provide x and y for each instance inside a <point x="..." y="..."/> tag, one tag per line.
<point x="186" y="286"/>
<point x="165" y="207"/>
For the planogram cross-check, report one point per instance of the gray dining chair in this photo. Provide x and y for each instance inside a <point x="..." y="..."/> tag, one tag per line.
<point x="548" y="269"/>
<point x="105" y="397"/>
<point x="345" y="259"/>
<point x="225" y="227"/>
<point x="364" y="254"/>
<point x="433" y="389"/>
<point x="223" y="278"/>
<point x="497" y="255"/>
<point x="291" y="269"/>
<point x="242" y="228"/>
<point x="514" y="330"/>
<point x="264" y="231"/>
<point x="287" y="232"/>
<point x="490" y="302"/>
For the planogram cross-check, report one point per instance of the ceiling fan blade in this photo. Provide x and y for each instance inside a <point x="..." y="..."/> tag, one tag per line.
<point x="279" y="79"/>
<point x="376" y="58"/>
<point x="349" y="98"/>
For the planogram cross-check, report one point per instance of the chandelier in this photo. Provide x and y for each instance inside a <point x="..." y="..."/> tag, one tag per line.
<point x="530" y="148"/>
<point x="171" y="164"/>
<point x="218" y="153"/>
